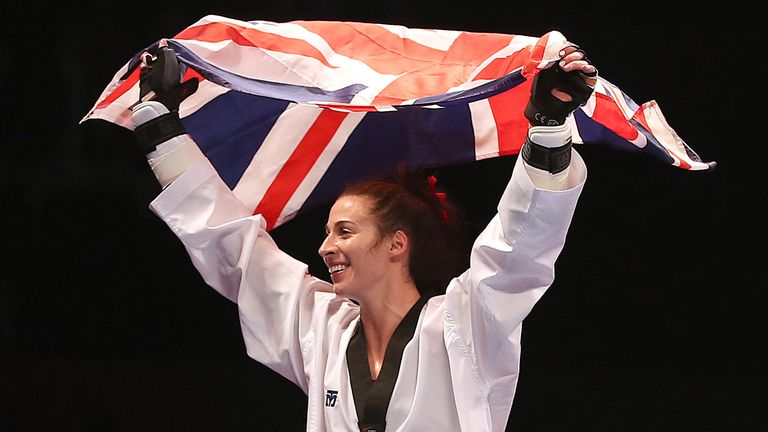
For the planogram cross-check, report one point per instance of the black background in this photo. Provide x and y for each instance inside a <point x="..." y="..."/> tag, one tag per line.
<point x="655" y="321"/>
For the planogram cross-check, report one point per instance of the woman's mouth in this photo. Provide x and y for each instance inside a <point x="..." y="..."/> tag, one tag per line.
<point x="336" y="268"/>
<point x="336" y="271"/>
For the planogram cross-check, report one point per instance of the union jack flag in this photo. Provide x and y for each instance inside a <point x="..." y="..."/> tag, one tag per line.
<point x="288" y="113"/>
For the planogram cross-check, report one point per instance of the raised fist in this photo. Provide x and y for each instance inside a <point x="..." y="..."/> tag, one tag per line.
<point x="561" y="88"/>
<point x="160" y="78"/>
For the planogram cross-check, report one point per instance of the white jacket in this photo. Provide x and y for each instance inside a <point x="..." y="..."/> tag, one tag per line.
<point x="460" y="370"/>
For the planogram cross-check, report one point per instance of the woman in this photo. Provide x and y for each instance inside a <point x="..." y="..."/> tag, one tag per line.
<point x="391" y="343"/>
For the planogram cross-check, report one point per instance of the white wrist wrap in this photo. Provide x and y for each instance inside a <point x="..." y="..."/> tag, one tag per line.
<point x="549" y="137"/>
<point x="147" y="111"/>
<point x="170" y="158"/>
<point x="173" y="157"/>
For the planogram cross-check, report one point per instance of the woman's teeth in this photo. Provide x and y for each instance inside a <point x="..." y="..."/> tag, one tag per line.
<point x="336" y="268"/>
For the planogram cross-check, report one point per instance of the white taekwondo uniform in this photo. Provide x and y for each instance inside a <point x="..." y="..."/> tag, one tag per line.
<point x="460" y="370"/>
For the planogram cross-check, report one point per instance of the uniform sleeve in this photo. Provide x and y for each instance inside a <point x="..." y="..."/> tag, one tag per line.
<point x="512" y="263"/>
<point x="235" y="255"/>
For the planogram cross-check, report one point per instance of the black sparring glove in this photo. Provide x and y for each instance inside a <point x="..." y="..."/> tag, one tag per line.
<point x="160" y="78"/>
<point x="544" y="109"/>
<point x="160" y="81"/>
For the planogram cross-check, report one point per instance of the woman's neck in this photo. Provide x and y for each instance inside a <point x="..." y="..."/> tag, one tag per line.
<point x="380" y="319"/>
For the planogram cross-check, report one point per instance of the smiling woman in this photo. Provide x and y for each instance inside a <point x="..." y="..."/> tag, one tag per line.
<point x="388" y="244"/>
<point x="400" y="340"/>
<point x="418" y="224"/>
<point x="353" y="243"/>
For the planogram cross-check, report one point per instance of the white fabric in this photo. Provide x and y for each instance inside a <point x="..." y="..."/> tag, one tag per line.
<point x="546" y="180"/>
<point x="460" y="370"/>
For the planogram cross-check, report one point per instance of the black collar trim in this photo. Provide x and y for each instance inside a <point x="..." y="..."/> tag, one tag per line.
<point x="372" y="397"/>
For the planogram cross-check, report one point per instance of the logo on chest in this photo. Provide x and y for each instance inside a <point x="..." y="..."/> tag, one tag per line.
<point x="330" y="398"/>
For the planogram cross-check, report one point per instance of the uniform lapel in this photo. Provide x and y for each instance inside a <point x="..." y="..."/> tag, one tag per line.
<point x="372" y="397"/>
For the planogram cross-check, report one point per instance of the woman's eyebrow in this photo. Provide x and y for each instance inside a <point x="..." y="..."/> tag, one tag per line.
<point x="340" y="222"/>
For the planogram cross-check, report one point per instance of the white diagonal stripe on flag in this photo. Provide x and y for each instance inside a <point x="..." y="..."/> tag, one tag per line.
<point x="486" y="135"/>
<point x="277" y="147"/>
<point x="321" y="166"/>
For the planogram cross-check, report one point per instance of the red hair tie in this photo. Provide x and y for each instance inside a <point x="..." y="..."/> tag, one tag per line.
<point x="432" y="181"/>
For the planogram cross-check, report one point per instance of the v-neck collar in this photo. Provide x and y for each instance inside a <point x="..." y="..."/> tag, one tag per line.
<point x="372" y="397"/>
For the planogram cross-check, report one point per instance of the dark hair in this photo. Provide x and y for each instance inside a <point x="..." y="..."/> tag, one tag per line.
<point x="408" y="201"/>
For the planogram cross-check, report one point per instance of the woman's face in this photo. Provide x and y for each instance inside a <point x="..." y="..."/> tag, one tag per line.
<point x="353" y="249"/>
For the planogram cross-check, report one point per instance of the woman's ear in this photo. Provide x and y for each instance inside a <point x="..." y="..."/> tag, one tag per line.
<point x="398" y="244"/>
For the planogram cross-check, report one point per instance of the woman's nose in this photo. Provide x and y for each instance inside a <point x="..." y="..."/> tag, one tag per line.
<point x="326" y="246"/>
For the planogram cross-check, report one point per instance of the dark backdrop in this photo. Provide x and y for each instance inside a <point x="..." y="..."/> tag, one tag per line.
<point x="654" y="323"/>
